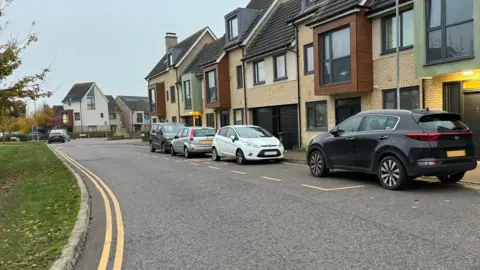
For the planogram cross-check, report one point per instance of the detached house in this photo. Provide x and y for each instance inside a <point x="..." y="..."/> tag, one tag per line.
<point x="89" y="107"/>
<point x="114" y="114"/>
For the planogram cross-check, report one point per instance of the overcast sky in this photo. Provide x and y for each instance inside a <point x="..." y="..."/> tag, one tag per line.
<point x="114" y="43"/>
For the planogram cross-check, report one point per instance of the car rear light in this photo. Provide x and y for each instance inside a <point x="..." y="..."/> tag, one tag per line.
<point x="191" y="134"/>
<point x="424" y="137"/>
<point x="428" y="163"/>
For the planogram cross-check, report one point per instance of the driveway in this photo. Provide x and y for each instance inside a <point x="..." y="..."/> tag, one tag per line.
<point x="197" y="213"/>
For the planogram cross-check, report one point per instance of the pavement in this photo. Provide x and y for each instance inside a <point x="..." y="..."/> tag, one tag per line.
<point x="199" y="214"/>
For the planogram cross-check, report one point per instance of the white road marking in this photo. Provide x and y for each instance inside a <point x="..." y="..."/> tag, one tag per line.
<point x="206" y="162"/>
<point x="211" y="167"/>
<point x="179" y="161"/>
<point x="154" y="156"/>
<point x="272" y="179"/>
<point x="331" y="189"/>
<point x="166" y="158"/>
<point x="195" y="164"/>
<point x="239" y="172"/>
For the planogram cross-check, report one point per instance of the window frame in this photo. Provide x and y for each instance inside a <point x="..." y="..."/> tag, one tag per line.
<point x="91" y="107"/>
<point x="170" y="59"/>
<point x="331" y="59"/>
<point x="101" y="115"/>
<point x="242" y="110"/>
<point x="230" y="28"/>
<point x="308" y="115"/>
<point x="173" y="98"/>
<point x="403" y="89"/>
<point x="75" y="116"/>
<point x="93" y="127"/>
<point x="239" y="70"/>
<point x="306" y="60"/>
<point x="136" y="118"/>
<point x="114" y="116"/>
<point x="174" y="119"/>
<point x="443" y="30"/>
<point x="208" y="88"/>
<point x="185" y="83"/>
<point x="275" y="67"/>
<point x="210" y="116"/>
<point x="255" y="71"/>
<point x="384" y="33"/>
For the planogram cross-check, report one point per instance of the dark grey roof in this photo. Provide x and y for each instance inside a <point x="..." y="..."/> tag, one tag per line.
<point x="327" y="9"/>
<point x="57" y="109"/>
<point x="380" y="5"/>
<point x="184" y="46"/>
<point x="112" y="104"/>
<point x="261" y="6"/>
<point x="209" y="53"/>
<point x="136" y="103"/>
<point x="276" y="33"/>
<point x="78" y="91"/>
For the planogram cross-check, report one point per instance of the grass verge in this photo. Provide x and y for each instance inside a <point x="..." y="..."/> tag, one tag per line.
<point x="39" y="203"/>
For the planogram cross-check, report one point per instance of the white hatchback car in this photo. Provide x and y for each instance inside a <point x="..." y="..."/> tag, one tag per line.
<point x="246" y="143"/>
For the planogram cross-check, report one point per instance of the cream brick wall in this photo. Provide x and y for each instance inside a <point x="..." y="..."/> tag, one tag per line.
<point x="236" y="95"/>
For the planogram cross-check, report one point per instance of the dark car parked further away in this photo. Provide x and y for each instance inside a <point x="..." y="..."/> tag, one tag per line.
<point x="57" y="136"/>
<point x="396" y="145"/>
<point x="162" y="134"/>
<point x="33" y="136"/>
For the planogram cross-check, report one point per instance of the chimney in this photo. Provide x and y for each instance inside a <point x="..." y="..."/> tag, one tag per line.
<point x="170" y="41"/>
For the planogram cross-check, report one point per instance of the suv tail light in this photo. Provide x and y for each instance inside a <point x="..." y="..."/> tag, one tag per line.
<point x="191" y="134"/>
<point x="424" y="137"/>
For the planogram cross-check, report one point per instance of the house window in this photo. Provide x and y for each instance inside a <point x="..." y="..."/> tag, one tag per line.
<point x="238" y="116"/>
<point x="449" y="26"/>
<point x="112" y="116"/>
<point x="308" y="59"/>
<point x="101" y="115"/>
<point x="259" y="72"/>
<point x="210" y="120"/>
<point x="172" y="94"/>
<point x="170" y="60"/>
<point x="174" y="119"/>
<point x="317" y="115"/>
<point x="166" y="92"/>
<point x="280" y="67"/>
<point x="65" y="118"/>
<point x="92" y="128"/>
<point x="389" y="32"/>
<point x="212" y="87"/>
<point x="188" y="94"/>
<point x="140" y="118"/>
<point x="409" y="98"/>
<point x="90" y="103"/>
<point x="336" y="60"/>
<point x="153" y="100"/>
<point x="239" y="77"/>
<point x="77" y="116"/>
<point x="233" y="28"/>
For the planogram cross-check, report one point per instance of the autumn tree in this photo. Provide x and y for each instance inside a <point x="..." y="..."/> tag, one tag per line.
<point x="14" y="90"/>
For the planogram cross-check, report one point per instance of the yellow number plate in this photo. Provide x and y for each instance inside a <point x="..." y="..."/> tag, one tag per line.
<point x="205" y="142"/>
<point x="458" y="153"/>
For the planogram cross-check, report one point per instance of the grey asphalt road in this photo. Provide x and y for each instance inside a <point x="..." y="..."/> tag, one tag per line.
<point x="200" y="214"/>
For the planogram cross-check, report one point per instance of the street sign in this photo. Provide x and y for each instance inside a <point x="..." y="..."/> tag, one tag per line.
<point x="105" y="123"/>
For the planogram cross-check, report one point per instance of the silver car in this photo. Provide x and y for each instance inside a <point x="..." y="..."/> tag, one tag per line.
<point x="193" y="140"/>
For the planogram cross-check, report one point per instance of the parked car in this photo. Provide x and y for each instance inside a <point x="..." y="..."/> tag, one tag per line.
<point x="161" y="135"/>
<point x="246" y="143"/>
<point x="193" y="140"/>
<point x="397" y="146"/>
<point x="57" y="136"/>
<point x="33" y="136"/>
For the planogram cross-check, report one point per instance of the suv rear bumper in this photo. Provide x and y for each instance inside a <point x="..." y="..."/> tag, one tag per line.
<point x="445" y="167"/>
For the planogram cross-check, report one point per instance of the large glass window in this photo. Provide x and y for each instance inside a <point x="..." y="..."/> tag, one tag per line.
<point x="409" y="98"/>
<point x="112" y="116"/>
<point x="90" y="103"/>
<point x="238" y="117"/>
<point x="308" y="59"/>
<point x="280" y="67"/>
<point x="77" y="116"/>
<point x="336" y="57"/>
<point x="239" y="77"/>
<point x="233" y="28"/>
<point x="153" y="100"/>
<point x="449" y="29"/>
<point x="389" y="32"/>
<point x="259" y="72"/>
<point x="139" y="117"/>
<point x="172" y="94"/>
<point x="187" y="94"/>
<point x="317" y="115"/>
<point x="212" y="87"/>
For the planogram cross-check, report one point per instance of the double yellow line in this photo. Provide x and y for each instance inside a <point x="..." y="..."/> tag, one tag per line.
<point x="102" y="187"/>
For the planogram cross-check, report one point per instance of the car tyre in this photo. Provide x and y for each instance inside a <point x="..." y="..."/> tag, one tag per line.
<point x="152" y="149"/>
<point x="172" y="152"/>
<point x="186" y="153"/>
<point x="240" y="157"/>
<point x="392" y="174"/>
<point x="317" y="165"/>
<point x="215" y="156"/>
<point x="164" y="148"/>
<point x="451" y="178"/>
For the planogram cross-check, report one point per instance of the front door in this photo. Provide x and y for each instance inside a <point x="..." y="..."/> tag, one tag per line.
<point x="471" y="116"/>
<point x="345" y="108"/>
<point x="224" y="118"/>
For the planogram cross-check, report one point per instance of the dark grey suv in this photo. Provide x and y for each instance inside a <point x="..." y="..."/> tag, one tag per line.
<point x="396" y="145"/>
<point x="162" y="134"/>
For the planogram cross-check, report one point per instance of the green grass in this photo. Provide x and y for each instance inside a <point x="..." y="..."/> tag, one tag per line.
<point x="39" y="203"/>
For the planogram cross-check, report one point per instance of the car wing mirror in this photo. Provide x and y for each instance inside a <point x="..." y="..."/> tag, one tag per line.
<point x="176" y="137"/>
<point x="233" y="138"/>
<point x="334" y="132"/>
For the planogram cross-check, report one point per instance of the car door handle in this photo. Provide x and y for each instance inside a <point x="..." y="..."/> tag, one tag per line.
<point x="350" y="138"/>
<point x="383" y="137"/>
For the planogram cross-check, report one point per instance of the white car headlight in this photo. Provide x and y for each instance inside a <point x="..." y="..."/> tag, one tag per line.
<point x="280" y="144"/>
<point x="249" y="144"/>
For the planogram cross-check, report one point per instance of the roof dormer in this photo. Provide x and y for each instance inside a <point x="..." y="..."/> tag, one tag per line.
<point x="237" y="23"/>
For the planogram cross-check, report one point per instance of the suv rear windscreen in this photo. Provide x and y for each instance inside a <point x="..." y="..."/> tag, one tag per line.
<point x="204" y="132"/>
<point x="442" y="123"/>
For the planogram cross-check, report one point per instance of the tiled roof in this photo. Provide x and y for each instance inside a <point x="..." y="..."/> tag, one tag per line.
<point x="184" y="46"/>
<point x="380" y="5"/>
<point x="209" y="53"/>
<point x="78" y="91"/>
<point x="261" y="6"/>
<point x="276" y="33"/>
<point x="112" y="104"/>
<point x="327" y="9"/>
<point x="136" y="103"/>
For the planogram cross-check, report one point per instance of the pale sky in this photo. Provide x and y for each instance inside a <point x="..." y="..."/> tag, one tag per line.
<point x="114" y="43"/>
